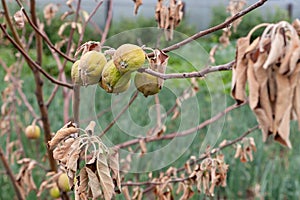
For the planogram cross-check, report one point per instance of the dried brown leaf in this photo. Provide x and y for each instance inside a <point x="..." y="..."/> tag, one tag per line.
<point x="50" y="11"/>
<point x="19" y="19"/>
<point x="180" y="187"/>
<point x="187" y="194"/>
<point x="176" y="113"/>
<point x="283" y="110"/>
<point x="239" y="75"/>
<point x="296" y="25"/>
<point x="212" y="53"/>
<point x="159" y="63"/>
<point x="277" y="48"/>
<point x="296" y="99"/>
<point x="90" y="128"/>
<point x="113" y="162"/>
<point x="179" y="12"/>
<point x="125" y="193"/>
<point x="106" y="181"/>
<point x="238" y="151"/>
<point x="94" y="184"/>
<point x="88" y="46"/>
<point x="61" y="134"/>
<point x="82" y="182"/>
<point x="143" y="147"/>
<point x="137" y="4"/>
<point x="72" y="160"/>
<point x="61" y="152"/>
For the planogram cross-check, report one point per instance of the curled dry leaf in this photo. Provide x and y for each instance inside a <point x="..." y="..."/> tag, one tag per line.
<point x="137" y="4"/>
<point x="296" y="25"/>
<point x="50" y="11"/>
<point x="88" y="46"/>
<point x="105" y="178"/>
<point x="72" y="160"/>
<point x="137" y="193"/>
<point x="24" y="178"/>
<point x="94" y="184"/>
<point x="113" y="162"/>
<point x="245" y="150"/>
<point x="143" y="147"/>
<point x="125" y="192"/>
<point x="233" y="8"/>
<point x="63" y="133"/>
<point x="19" y="19"/>
<point x="159" y="63"/>
<point x="169" y="17"/>
<point x="81" y="185"/>
<point x="212" y="53"/>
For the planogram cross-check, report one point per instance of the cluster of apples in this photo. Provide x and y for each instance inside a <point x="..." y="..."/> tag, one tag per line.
<point x="114" y="75"/>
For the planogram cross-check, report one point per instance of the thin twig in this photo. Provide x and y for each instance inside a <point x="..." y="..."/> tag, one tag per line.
<point x="108" y="22"/>
<point x="200" y="73"/>
<point x="10" y="24"/>
<point x="218" y="149"/>
<point x="76" y="89"/>
<point x="202" y="157"/>
<point x="120" y="114"/>
<point x="11" y="175"/>
<point x="87" y="21"/>
<point x="34" y="64"/>
<point x="21" y="93"/>
<point x="225" y="24"/>
<point x="182" y="133"/>
<point x="42" y="34"/>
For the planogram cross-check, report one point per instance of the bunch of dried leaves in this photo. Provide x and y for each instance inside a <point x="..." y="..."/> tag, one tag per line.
<point x="211" y="172"/>
<point x="169" y="17"/>
<point x="50" y="11"/>
<point x="271" y="64"/>
<point x="24" y="177"/>
<point x="245" y="150"/>
<point x="233" y="8"/>
<point x="89" y="164"/>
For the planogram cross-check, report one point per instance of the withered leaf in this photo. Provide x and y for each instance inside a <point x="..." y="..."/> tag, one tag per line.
<point x="50" y="11"/>
<point x="239" y="71"/>
<point x="137" y="4"/>
<point x="19" y="19"/>
<point x="125" y="192"/>
<point x="88" y="46"/>
<point x="72" y="160"/>
<point x="94" y="184"/>
<point x="90" y="128"/>
<point x="106" y="181"/>
<point x="296" y="25"/>
<point x="187" y="194"/>
<point x="62" y="134"/>
<point x="282" y="110"/>
<point x="60" y="152"/>
<point x="82" y="183"/>
<point x="296" y="99"/>
<point x="159" y="63"/>
<point x="113" y="161"/>
<point x="277" y="48"/>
